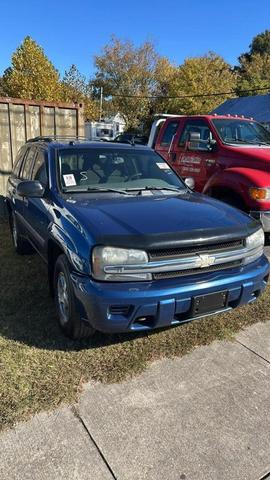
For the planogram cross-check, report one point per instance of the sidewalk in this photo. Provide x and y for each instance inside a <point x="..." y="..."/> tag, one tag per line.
<point x="205" y="416"/>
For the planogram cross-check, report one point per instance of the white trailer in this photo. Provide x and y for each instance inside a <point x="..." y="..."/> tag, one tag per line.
<point x="106" y="130"/>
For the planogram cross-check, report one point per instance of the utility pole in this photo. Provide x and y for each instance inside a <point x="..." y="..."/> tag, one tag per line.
<point x="101" y="102"/>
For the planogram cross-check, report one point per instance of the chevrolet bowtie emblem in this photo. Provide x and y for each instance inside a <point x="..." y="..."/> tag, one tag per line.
<point x="206" y="260"/>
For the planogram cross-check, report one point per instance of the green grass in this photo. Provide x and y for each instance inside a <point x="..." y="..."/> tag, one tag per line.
<point x="40" y="368"/>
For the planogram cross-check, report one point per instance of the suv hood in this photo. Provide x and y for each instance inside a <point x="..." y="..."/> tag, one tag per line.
<point x="158" y="221"/>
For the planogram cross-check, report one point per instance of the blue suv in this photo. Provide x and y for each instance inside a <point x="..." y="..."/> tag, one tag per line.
<point x="128" y="245"/>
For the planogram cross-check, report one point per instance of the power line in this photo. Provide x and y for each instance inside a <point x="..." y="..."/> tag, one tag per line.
<point x="197" y="95"/>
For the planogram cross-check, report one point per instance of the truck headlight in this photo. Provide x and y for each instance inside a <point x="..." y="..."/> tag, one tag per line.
<point x="108" y="263"/>
<point x="255" y="244"/>
<point x="259" y="194"/>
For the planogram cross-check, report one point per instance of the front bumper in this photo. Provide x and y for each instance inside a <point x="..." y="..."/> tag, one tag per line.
<point x="123" y="307"/>
<point x="263" y="217"/>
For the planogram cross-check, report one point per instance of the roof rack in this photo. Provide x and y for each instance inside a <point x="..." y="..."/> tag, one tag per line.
<point x="52" y="138"/>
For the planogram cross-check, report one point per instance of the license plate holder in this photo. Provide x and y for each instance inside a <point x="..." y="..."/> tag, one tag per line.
<point x="209" y="303"/>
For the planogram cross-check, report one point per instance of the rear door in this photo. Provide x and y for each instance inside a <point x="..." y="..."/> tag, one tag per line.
<point x="25" y="174"/>
<point x="16" y="202"/>
<point x="196" y="159"/>
<point x="37" y="213"/>
<point x="166" y="139"/>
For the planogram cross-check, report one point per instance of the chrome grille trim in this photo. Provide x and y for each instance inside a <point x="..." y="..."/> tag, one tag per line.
<point x="196" y="261"/>
<point x="195" y="271"/>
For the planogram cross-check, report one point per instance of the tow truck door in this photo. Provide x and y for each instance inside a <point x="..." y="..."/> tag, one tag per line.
<point x="195" y="158"/>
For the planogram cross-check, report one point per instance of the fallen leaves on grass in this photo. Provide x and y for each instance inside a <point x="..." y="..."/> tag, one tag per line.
<point x="40" y="368"/>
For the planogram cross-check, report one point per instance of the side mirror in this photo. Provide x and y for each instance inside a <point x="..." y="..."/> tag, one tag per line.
<point x="190" y="183"/>
<point x="212" y="143"/>
<point x="30" y="188"/>
<point x="194" y="141"/>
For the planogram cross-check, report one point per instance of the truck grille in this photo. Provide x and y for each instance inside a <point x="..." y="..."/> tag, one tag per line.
<point x="178" y="252"/>
<point x="193" y="271"/>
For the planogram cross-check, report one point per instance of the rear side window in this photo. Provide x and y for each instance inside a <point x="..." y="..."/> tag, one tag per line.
<point x="170" y="131"/>
<point x="27" y="165"/>
<point x="40" y="170"/>
<point x="18" y="161"/>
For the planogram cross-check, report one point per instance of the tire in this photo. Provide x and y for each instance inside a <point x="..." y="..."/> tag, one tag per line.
<point x="69" y="318"/>
<point x="234" y="201"/>
<point x="22" y="247"/>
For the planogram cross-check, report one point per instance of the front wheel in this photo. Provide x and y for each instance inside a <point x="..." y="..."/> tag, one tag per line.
<point x="69" y="318"/>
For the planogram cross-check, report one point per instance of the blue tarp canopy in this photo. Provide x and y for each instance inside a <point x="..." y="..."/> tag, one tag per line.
<point x="257" y="106"/>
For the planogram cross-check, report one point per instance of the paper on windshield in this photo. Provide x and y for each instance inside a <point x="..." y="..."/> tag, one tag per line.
<point x="69" y="180"/>
<point x="163" y="166"/>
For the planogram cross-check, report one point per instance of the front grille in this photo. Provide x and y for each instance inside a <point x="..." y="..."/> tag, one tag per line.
<point x="178" y="252"/>
<point x="194" y="271"/>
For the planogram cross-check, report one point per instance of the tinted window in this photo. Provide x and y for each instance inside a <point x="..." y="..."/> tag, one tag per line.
<point x="40" y="171"/>
<point x="130" y="137"/>
<point x="238" y="131"/>
<point x="114" y="168"/>
<point x="27" y="165"/>
<point x="170" y="131"/>
<point x="196" y="126"/>
<point x="18" y="161"/>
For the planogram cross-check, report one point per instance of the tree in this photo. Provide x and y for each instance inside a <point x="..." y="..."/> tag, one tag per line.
<point x="2" y="92"/>
<point x="124" y="71"/>
<point x="254" y="75"/>
<point x="75" y="88"/>
<point x="254" y="66"/>
<point x="164" y="75"/>
<point x="208" y="74"/>
<point x="259" y="45"/>
<point x="31" y="75"/>
<point x="74" y="85"/>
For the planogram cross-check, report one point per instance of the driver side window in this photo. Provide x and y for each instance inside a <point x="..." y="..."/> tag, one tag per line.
<point x="201" y="129"/>
<point x="40" y="170"/>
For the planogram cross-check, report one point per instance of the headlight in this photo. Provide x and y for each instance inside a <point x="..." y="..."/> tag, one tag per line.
<point x="259" y="193"/>
<point x="109" y="263"/>
<point x="256" y="239"/>
<point x="255" y="244"/>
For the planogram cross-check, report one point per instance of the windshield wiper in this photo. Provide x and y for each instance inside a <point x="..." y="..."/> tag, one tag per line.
<point x="172" y="189"/>
<point x="249" y="142"/>
<point x="259" y="143"/>
<point x="97" y="189"/>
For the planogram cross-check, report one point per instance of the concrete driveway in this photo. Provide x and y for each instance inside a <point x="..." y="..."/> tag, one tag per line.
<point x="203" y="416"/>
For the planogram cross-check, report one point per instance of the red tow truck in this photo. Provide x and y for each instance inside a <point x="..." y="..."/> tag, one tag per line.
<point x="225" y="157"/>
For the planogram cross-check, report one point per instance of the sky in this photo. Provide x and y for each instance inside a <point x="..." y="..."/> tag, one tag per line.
<point x="74" y="31"/>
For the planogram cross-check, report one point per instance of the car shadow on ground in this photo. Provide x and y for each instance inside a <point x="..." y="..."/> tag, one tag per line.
<point x="27" y="313"/>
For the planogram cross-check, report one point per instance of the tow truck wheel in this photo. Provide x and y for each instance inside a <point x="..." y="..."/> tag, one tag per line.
<point x="233" y="200"/>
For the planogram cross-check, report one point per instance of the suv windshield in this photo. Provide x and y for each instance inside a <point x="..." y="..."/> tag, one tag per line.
<point x="236" y="131"/>
<point x="86" y="169"/>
